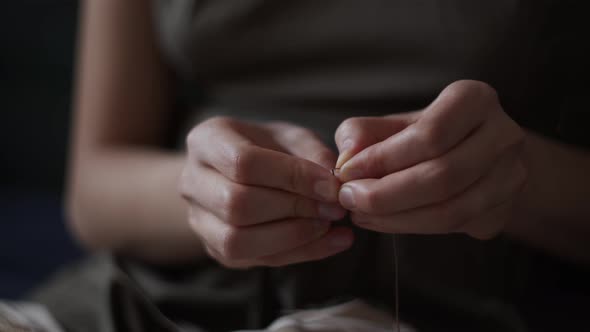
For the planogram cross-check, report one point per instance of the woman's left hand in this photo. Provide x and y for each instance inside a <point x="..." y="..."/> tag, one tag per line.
<point x="455" y="166"/>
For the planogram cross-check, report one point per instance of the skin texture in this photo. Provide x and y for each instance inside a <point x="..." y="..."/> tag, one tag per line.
<point x="453" y="167"/>
<point x="238" y="178"/>
<point x="269" y="196"/>
<point x="462" y="165"/>
<point x="122" y="187"/>
<point x="262" y="194"/>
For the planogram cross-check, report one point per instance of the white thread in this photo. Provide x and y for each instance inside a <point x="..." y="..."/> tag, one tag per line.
<point x="396" y="285"/>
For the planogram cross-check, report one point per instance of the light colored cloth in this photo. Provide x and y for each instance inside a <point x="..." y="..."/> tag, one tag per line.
<point x="353" y="316"/>
<point x="25" y="316"/>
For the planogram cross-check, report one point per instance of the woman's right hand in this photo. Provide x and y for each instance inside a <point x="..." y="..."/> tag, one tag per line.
<point x="262" y="194"/>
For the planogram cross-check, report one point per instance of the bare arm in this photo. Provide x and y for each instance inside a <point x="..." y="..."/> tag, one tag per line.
<point x="122" y="187"/>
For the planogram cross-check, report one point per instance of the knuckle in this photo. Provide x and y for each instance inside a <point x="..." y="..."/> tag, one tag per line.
<point x="322" y="156"/>
<point x="192" y="138"/>
<point x="195" y="136"/>
<point x="234" y="203"/>
<point x="357" y="122"/>
<point x="485" y="91"/>
<point x="467" y="89"/>
<point x="237" y="161"/>
<point x="298" y="133"/>
<point x="287" y="129"/>
<point x="219" y="122"/>
<point x="349" y="126"/>
<point x="230" y="244"/>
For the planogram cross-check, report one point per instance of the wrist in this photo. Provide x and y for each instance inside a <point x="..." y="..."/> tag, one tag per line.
<point x="551" y="212"/>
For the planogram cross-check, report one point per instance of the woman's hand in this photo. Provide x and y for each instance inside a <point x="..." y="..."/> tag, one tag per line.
<point x="455" y="166"/>
<point x="262" y="194"/>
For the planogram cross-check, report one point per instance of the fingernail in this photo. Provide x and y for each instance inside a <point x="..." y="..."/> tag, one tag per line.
<point x="345" y="152"/>
<point x="346" y="198"/>
<point x="330" y="211"/>
<point x="346" y="145"/>
<point x="343" y="158"/>
<point x="326" y="189"/>
<point x="341" y="240"/>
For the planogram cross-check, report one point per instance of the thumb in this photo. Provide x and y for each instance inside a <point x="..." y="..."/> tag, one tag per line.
<point x="356" y="134"/>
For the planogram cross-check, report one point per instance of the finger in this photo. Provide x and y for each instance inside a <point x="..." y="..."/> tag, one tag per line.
<point x="356" y="134"/>
<point x="242" y="131"/>
<point x="303" y="143"/>
<point x="251" y="242"/>
<point x="490" y="224"/>
<point x="241" y="205"/>
<point x="438" y="179"/>
<point x="338" y="239"/>
<point x="500" y="185"/>
<point x="238" y="159"/>
<point x="455" y="114"/>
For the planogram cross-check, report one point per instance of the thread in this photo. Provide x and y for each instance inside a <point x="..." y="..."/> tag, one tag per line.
<point x="396" y="285"/>
<point x="396" y="323"/>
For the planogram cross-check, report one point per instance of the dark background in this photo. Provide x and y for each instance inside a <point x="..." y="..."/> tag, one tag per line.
<point x="36" y="57"/>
